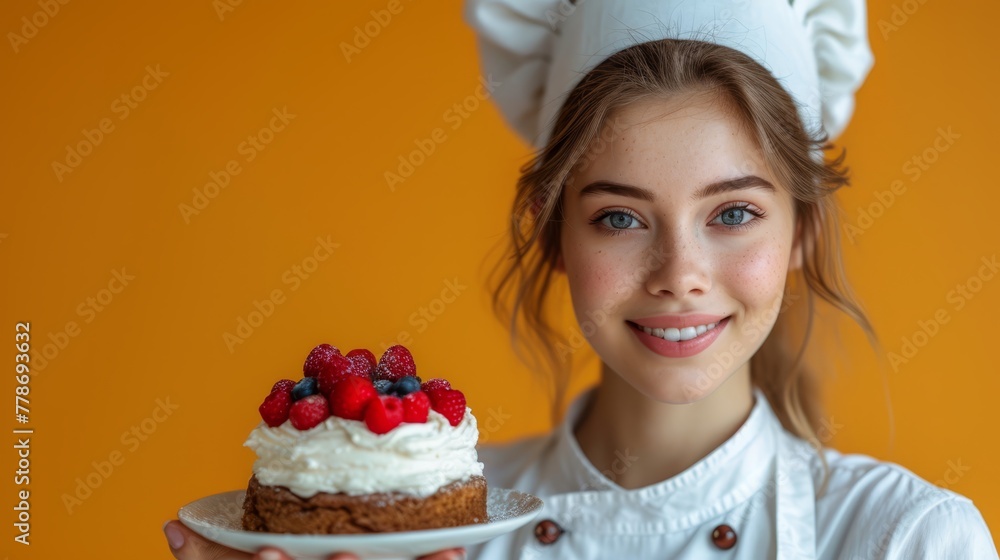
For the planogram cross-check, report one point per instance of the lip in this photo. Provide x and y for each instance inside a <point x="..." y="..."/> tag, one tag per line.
<point x="683" y="348"/>
<point x="677" y="321"/>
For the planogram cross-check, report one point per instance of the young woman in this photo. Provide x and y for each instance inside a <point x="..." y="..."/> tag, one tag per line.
<point x="680" y="189"/>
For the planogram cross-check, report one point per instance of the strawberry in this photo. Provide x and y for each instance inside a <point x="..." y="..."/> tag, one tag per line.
<point x="363" y="353"/>
<point x="318" y="358"/>
<point x="335" y="369"/>
<point x="285" y="386"/>
<point x="436" y="383"/>
<point x="274" y="409"/>
<point x="383" y="414"/>
<point x="309" y="412"/>
<point x="450" y="403"/>
<point x="395" y="363"/>
<point x="415" y="407"/>
<point x="349" y="397"/>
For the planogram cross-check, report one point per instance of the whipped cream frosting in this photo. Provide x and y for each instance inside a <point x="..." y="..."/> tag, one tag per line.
<point x="342" y="455"/>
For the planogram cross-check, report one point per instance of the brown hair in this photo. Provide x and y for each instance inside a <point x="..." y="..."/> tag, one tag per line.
<point x="656" y="70"/>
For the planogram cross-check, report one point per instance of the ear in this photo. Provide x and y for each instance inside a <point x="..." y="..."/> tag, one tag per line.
<point x="796" y="256"/>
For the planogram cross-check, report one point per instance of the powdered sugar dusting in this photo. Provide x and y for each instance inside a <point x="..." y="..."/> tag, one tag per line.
<point x="503" y="504"/>
<point x="220" y="512"/>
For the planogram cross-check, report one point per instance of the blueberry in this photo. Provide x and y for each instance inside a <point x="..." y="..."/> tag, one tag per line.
<point x="383" y="386"/>
<point x="304" y="388"/>
<point x="406" y="385"/>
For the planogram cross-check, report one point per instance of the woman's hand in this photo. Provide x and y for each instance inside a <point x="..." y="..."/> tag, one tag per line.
<point x="185" y="544"/>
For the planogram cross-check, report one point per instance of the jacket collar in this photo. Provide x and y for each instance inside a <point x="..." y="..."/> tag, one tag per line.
<point x="731" y="474"/>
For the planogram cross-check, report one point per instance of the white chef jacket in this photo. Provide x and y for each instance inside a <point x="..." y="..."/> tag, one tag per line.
<point x="762" y="482"/>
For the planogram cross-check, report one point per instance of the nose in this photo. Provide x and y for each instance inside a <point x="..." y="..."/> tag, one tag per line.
<point x="677" y="265"/>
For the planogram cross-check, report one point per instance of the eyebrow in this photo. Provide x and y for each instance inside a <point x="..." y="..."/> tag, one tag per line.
<point x="712" y="189"/>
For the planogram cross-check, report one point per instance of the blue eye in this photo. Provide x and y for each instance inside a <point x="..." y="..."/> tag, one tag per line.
<point x="732" y="216"/>
<point x="614" y="222"/>
<point x="739" y="216"/>
<point x="620" y="220"/>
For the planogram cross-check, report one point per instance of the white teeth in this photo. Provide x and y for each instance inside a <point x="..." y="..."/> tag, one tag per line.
<point x="676" y="335"/>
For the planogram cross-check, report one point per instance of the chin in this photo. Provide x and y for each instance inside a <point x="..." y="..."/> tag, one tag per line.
<point x="682" y="386"/>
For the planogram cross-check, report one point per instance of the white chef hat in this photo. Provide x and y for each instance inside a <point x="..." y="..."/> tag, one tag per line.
<point x="538" y="50"/>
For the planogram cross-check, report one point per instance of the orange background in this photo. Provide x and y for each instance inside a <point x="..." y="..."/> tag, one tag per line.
<point x="161" y="337"/>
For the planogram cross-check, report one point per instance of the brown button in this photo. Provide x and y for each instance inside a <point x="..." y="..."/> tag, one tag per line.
<point x="548" y="531"/>
<point x="724" y="537"/>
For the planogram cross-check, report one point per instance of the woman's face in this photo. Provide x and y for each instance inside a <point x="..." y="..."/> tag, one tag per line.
<point x="674" y="223"/>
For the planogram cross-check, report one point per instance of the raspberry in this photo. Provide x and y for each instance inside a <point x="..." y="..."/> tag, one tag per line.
<point x="318" y="358"/>
<point x="337" y="368"/>
<point x="274" y="409"/>
<point x="363" y="353"/>
<point x="449" y="403"/>
<point x="395" y="363"/>
<point x="383" y="414"/>
<point x="309" y="412"/>
<point x="415" y="407"/>
<point x="349" y="397"/>
<point x="436" y="383"/>
<point x="285" y="386"/>
<point x="361" y="367"/>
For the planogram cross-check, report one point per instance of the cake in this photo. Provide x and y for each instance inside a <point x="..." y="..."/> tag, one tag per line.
<point x="360" y="445"/>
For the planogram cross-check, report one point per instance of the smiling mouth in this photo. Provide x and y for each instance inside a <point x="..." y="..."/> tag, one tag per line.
<point x="677" y="335"/>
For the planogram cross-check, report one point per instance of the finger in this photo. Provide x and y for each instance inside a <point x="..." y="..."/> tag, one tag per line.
<point x="271" y="554"/>
<point x="185" y="544"/>
<point x="450" y="554"/>
<point x="342" y="556"/>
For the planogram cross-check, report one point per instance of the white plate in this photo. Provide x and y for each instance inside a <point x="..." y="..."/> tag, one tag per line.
<point x="218" y="518"/>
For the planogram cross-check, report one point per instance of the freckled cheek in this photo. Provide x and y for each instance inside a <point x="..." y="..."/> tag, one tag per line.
<point x="594" y="277"/>
<point x="756" y="277"/>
